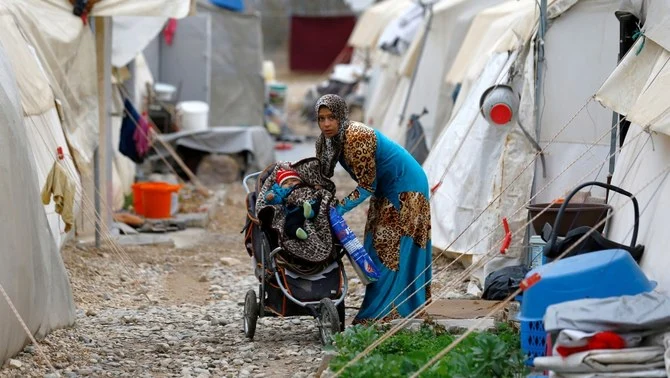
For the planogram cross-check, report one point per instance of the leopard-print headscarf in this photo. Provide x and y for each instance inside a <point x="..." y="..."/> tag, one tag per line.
<point x="328" y="150"/>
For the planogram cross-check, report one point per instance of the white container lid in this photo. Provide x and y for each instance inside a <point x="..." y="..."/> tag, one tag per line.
<point x="164" y="88"/>
<point x="193" y="107"/>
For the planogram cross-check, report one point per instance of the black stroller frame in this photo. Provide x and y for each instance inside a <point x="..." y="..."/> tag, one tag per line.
<point x="328" y="312"/>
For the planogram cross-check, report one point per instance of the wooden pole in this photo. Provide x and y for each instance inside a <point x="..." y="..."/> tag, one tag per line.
<point x="103" y="172"/>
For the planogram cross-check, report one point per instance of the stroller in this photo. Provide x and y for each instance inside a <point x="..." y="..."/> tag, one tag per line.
<point x="286" y="290"/>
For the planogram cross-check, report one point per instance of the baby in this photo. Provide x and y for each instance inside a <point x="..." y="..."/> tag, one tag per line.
<point x="286" y="181"/>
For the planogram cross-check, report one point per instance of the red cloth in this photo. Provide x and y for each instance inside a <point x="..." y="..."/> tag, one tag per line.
<point x="316" y="41"/>
<point x="169" y="31"/>
<point x="601" y="340"/>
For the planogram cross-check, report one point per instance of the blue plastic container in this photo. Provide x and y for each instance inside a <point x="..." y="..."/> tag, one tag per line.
<point x="233" y="5"/>
<point x="601" y="274"/>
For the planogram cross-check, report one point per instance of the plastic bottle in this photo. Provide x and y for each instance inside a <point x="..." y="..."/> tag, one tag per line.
<point x="360" y="260"/>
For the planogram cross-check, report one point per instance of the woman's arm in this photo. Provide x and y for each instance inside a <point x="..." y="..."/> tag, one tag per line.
<point x="360" y="148"/>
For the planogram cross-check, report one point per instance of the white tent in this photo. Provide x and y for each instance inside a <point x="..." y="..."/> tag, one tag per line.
<point x="49" y="97"/>
<point x="373" y="21"/>
<point x="32" y="271"/>
<point x="472" y="162"/>
<point x="636" y="89"/>
<point x="449" y="25"/>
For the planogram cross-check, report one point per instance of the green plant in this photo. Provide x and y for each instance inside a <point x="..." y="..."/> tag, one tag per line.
<point x="481" y="354"/>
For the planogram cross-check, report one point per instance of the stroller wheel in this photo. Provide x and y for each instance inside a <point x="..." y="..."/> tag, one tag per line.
<point x="329" y="321"/>
<point x="250" y="314"/>
<point x="341" y="315"/>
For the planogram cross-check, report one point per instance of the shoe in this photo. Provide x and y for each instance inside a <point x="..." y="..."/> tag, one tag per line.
<point x="301" y="234"/>
<point x="307" y="210"/>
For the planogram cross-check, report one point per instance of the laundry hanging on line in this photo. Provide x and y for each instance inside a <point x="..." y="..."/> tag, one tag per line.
<point x="134" y="141"/>
<point x="62" y="189"/>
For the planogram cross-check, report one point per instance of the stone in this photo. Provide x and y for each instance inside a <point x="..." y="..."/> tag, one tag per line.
<point x="229" y="261"/>
<point x="15" y="364"/>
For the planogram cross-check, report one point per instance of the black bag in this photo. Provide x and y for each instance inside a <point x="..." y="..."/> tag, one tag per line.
<point x="503" y="282"/>
<point x="594" y="241"/>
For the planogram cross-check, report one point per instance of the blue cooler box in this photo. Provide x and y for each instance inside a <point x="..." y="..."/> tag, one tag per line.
<point x="602" y="274"/>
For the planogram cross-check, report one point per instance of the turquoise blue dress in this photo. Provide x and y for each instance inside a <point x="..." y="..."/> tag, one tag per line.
<point x="397" y="233"/>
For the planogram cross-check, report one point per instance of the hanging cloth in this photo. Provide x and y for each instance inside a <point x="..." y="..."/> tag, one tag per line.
<point x="127" y="144"/>
<point x="141" y="136"/>
<point x="62" y="189"/>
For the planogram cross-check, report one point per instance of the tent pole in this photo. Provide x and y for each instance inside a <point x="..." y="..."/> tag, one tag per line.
<point x="103" y="171"/>
<point x="427" y="7"/>
<point x="540" y="66"/>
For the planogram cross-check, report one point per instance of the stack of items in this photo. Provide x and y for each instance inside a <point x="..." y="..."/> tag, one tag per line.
<point x="622" y="336"/>
<point x="603" y="274"/>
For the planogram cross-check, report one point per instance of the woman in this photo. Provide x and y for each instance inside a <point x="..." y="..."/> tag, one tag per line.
<point x="397" y="233"/>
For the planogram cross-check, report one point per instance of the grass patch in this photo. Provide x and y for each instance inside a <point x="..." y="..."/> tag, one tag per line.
<point x="493" y="353"/>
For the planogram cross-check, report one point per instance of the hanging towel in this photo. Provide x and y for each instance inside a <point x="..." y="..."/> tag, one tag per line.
<point x="62" y="188"/>
<point x="127" y="145"/>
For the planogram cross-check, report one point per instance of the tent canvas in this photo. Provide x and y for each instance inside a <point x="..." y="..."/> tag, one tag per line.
<point x="32" y="272"/>
<point x="645" y="155"/>
<point x="463" y="195"/>
<point x="450" y="22"/>
<point x="374" y="20"/>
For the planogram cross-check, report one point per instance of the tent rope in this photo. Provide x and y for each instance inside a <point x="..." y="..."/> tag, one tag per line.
<point x="25" y="328"/>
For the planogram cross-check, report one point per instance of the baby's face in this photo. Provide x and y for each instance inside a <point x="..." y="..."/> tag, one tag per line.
<point x="290" y="182"/>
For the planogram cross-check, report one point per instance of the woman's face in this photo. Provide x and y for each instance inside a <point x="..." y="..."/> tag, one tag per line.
<point x="328" y="124"/>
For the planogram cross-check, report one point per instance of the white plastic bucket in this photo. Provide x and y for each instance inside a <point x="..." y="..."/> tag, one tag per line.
<point x="193" y="115"/>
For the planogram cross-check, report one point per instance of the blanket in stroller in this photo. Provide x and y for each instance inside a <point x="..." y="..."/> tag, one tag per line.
<point x="319" y="245"/>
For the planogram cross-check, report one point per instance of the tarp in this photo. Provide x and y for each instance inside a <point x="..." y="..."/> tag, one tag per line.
<point x="32" y="271"/>
<point x="374" y="20"/>
<point x="237" y="86"/>
<point x="254" y="140"/>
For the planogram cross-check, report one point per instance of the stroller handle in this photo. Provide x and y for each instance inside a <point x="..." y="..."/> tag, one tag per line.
<point x="247" y="178"/>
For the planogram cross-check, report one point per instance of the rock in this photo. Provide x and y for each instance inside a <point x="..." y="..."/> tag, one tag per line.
<point x="230" y="261"/>
<point x="51" y="375"/>
<point x="217" y="169"/>
<point x="162" y="348"/>
<point x="203" y="278"/>
<point x="15" y="364"/>
<point x="238" y="362"/>
<point x="90" y="312"/>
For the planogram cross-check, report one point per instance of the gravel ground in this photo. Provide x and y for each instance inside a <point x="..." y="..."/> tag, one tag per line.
<point x="177" y="312"/>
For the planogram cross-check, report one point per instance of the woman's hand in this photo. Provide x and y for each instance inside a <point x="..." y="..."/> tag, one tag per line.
<point x="270" y="197"/>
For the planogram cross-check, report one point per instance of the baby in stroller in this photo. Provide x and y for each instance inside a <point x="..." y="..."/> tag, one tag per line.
<point x="286" y="181"/>
<point x="297" y="276"/>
